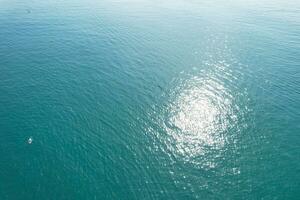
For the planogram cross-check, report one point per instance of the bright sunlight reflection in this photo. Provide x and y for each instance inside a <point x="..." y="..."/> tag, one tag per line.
<point x="199" y="117"/>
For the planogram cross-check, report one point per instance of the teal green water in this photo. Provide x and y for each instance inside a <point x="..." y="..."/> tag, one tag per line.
<point x="146" y="99"/>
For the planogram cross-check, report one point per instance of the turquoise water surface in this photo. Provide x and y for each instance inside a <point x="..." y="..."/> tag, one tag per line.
<point x="147" y="99"/>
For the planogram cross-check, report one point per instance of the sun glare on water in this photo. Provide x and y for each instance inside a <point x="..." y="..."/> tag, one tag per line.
<point x="199" y="116"/>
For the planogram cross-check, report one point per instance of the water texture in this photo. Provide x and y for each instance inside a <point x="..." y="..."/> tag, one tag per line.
<point x="147" y="99"/>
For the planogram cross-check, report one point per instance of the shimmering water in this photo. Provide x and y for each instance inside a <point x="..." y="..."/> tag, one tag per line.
<point x="146" y="99"/>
